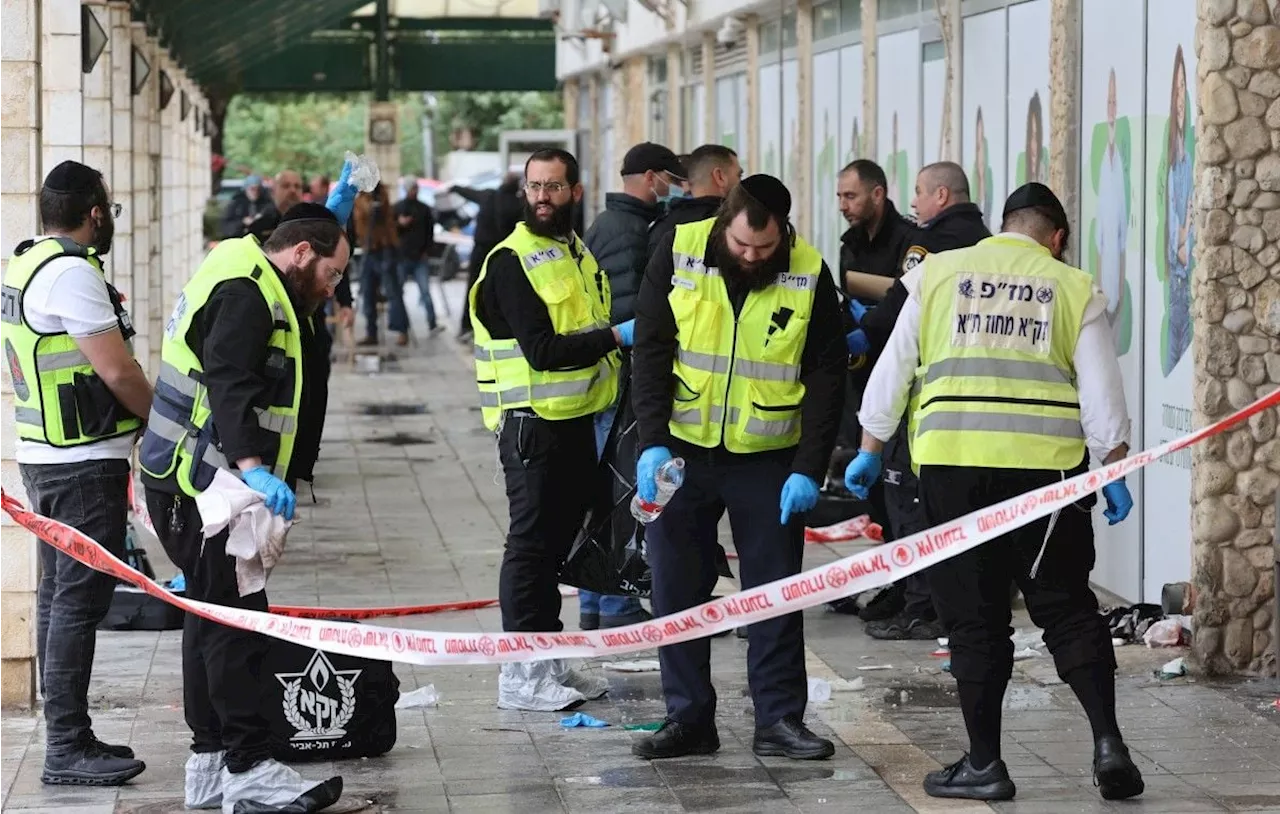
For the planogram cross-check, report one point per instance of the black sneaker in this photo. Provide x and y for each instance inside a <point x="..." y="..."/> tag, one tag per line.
<point x="962" y="781"/>
<point x="111" y="749"/>
<point x="1114" y="772"/>
<point x="904" y="628"/>
<point x="674" y="739"/>
<point x="789" y="737"/>
<point x="636" y="618"/>
<point x="89" y="766"/>
<point x="588" y="621"/>
<point x="887" y="604"/>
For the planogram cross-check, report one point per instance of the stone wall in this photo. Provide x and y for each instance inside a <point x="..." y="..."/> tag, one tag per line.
<point x="1236" y="313"/>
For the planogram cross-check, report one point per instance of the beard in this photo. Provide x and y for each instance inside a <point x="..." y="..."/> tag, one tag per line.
<point x="755" y="276"/>
<point x="556" y="225"/>
<point x="103" y="233"/>
<point x="309" y="290"/>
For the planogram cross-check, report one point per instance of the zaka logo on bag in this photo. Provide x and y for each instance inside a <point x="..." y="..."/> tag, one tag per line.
<point x="320" y="700"/>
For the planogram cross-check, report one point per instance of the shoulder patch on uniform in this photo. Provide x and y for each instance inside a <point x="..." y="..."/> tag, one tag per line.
<point x="914" y="257"/>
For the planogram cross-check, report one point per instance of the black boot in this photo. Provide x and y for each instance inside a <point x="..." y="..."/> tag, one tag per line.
<point x="886" y="604"/>
<point x="904" y="627"/>
<point x="674" y="739"/>
<point x="789" y="737"/>
<point x="89" y="766"/>
<point x="1114" y="772"/>
<point x="961" y="780"/>
<point x="111" y="749"/>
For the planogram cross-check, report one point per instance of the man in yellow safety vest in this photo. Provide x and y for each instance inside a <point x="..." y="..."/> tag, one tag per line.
<point x="1015" y="377"/>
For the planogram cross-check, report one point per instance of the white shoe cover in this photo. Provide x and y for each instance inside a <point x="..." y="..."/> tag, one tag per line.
<point x="269" y="783"/>
<point x="591" y="686"/>
<point x="531" y="686"/>
<point x="204" y="779"/>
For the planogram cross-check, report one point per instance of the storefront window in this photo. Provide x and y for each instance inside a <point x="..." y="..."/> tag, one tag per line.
<point x="888" y="9"/>
<point x="826" y="20"/>
<point x="770" y="37"/>
<point x="789" y="30"/>
<point x="850" y="15"/>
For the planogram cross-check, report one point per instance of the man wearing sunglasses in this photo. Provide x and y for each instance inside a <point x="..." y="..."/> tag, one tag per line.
<point x="78" y="401"/>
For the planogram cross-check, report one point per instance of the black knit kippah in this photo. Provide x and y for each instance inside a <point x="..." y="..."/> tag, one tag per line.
<point x="771" y="193"/>
<point x="308" y="211"/>
<point x="72" y="176"/>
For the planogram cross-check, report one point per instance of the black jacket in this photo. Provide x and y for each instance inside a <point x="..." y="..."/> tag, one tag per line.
<point x="500" y="211"/>
<point x="418" y="238"/>
<point x="618" y="239"/>
<point x="239" y="208"/>
<point x="509" y="308"/>
<point x="822" y="367"/>
<point x="880" y="254"/>
<point x="682" y="210"/>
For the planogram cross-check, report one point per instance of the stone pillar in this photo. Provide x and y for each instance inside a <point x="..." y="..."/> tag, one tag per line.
<point x="675" y="110"/>
<point x="569" y="97"/>
<point x="620" y="133"/>
<point x="61" y="100"/>
<point x="386" y="155"/>
<point x="120" y="171"/>
<point x="20" y="179"/>
<point x="169" y="259"/>
<point x="803" y="214"/>
<point x="635" y="102"/>
<point x="870" y="62"/>
<point x="144" y="309"/>
<point x="752" y="143"/>
<point x="1236" y="319"/>
<point x="594" y="114"/>
<point x="1064" y="109"/>
<point x="153" y="182"/>
<point x="708" y="134"/>
<point x="949" y="20"/>
<point x="96" y="92"/>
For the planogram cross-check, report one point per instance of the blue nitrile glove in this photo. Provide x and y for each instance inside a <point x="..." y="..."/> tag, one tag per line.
<point x="647" y="467"/>
<point x="799" y="494"/>
<point x="342" y="198"/>
<point x="857" y="310"/>
<point x="857" y="342"/>
<point x="1119" y="501"/>
<point x="862" y="472"/>
<point x="627" y="331"/>
<point x="279" y="497"/>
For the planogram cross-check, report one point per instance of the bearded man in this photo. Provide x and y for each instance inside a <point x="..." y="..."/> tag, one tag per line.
<point x="739" y="367"/>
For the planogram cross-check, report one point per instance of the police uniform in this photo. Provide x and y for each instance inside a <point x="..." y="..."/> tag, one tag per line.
<point x="956" y="227"/>
<point x="747" y="386"/>
<point x="1016" y="377"/>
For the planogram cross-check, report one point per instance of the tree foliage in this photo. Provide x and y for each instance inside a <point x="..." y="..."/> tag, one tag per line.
<point x="266" y="133"/>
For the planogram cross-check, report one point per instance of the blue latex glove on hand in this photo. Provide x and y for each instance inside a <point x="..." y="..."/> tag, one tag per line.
<point x="857" y="310"/>
<point x="647" y="471"/>
<point x="857" y="342"/>
<point x="1119" y="501"/>
<point x="862" y="472"/>
<point x="342" y="198"/>
<point x="799" y="494"/>
<point x="280" y="499"/>
<point x="626" y="332"/>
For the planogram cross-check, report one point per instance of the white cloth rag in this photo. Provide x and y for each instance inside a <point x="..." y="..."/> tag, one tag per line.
<point x="257" y="536"/>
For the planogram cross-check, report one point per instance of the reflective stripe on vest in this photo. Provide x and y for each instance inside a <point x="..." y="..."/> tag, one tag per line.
<point x="996" y="383"/>
<point x="738" y="379"/>
<point x="576" y="294"/>
<point x="49" y="372"/>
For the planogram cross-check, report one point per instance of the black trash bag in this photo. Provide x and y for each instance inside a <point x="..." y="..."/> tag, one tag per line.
<point x="608" y="555"/>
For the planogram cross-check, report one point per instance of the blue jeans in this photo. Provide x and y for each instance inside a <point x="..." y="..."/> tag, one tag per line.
<point x="419" y="272"/>
<point x="590" y="601"/>
<point x="379" y="271"/>
<point x="72" y="598"/>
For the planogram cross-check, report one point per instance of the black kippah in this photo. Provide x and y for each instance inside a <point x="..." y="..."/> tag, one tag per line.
<point x="72" y="176"/>
<point x="771" y="193"/>
<point x="308" y="211"/>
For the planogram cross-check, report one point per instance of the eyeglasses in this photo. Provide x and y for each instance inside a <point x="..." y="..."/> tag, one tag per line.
<point x="550" y="187"/>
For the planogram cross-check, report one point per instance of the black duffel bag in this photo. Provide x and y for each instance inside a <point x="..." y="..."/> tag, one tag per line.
<point x="327" y="706"/>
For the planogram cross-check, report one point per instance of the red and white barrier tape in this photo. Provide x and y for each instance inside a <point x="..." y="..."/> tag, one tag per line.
<point x="860" y="572"/>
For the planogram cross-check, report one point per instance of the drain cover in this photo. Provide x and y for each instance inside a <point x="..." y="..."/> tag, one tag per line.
<point x="393" y="408"/>
<point x="399" y="439"/>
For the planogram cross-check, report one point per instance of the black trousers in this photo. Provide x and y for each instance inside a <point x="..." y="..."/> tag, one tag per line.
<point x="545" y="463"/>
<point x="971" y="591"/>
<point x="905" y="512"/>
<point x="222" y="677"/>
<point x="679" y="545"/>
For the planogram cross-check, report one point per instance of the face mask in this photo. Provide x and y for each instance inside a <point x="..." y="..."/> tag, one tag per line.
<point x="674" y="193"/>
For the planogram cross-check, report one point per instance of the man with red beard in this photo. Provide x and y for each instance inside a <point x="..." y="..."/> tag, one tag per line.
<point x="739" y="369"/>
<point x="546" y="362"/>
<point x="234" y="396"/>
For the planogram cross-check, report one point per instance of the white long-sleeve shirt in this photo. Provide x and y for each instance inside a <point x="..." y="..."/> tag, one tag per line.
<point x="1103" y="412"/>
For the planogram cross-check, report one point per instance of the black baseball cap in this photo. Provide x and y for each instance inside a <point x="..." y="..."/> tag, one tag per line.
<point x="647" y="156"/>
<point x="1039" y="197"/>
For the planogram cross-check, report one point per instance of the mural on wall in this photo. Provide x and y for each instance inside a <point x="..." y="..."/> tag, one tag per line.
<point x="791" y="126"/>
<point x="1029" y="93"/>
<point x="769" y="126"/>
<point x="1112" y="156"/>
<point x="1168" y="374"/>
<point x="983" y="89"/>
<point x="850" y="131"/>
<point x="826" y="160"/>
<point x="898" y="131"/>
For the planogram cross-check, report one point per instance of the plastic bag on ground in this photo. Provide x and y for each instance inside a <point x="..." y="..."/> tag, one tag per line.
<point x="421" y="697"/>
<point x="1171" y="632"/>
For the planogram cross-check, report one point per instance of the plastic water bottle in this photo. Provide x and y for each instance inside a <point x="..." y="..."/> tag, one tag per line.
<point x="669" y="477"/>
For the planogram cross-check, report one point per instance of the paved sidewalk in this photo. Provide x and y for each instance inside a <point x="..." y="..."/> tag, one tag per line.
<point x="411" y="510"/>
